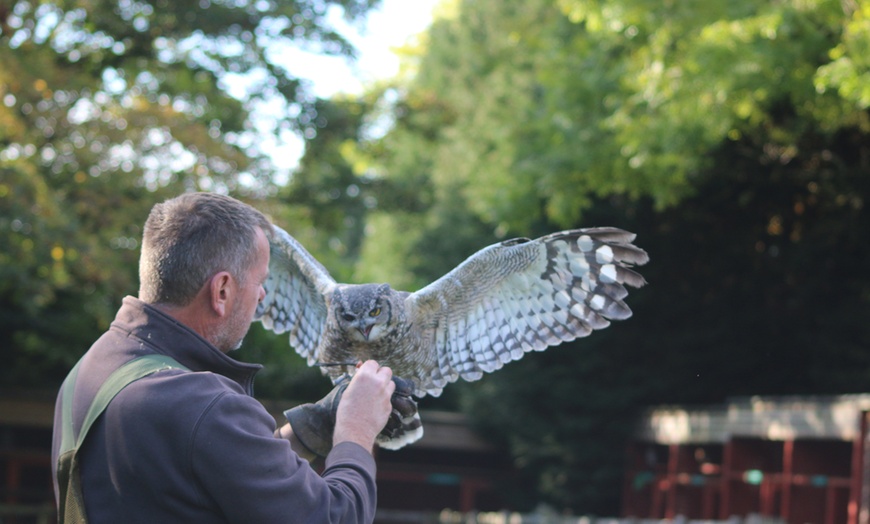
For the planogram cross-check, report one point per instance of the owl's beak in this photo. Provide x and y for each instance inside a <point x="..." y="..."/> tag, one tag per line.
<point x="365" y="330"/>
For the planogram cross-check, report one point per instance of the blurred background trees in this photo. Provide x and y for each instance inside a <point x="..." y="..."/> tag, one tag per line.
<point x="111" y="106"/>
<point x="732" y="137"/>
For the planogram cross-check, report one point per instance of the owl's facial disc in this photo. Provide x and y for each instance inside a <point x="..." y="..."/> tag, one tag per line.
<point x="360" y="311"/>
<point x="357" y="326"/>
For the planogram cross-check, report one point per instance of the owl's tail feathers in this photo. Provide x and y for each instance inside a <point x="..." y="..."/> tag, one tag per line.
<point x="410" y="431"/>
<point x="404" y="426"/>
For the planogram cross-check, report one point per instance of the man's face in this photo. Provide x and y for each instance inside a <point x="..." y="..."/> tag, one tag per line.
<point x="248" y="296"/>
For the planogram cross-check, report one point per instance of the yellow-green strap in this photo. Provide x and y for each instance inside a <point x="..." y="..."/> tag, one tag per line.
<point x="123" y="376"/>
<point x="67" y="434"/>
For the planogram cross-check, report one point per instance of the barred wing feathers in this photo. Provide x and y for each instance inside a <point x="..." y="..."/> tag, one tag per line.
<point x="297" y="291"/>
<point x="522" y="295"/>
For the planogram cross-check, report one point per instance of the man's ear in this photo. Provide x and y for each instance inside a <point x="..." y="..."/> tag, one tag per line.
<point x="221" y="292"/>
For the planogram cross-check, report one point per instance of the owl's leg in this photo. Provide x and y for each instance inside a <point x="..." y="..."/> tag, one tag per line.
<point x="341" y="379"/>
<point x="346" y="375"/>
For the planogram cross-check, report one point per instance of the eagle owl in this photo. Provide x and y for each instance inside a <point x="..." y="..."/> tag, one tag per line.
<point x="503" y="301"/>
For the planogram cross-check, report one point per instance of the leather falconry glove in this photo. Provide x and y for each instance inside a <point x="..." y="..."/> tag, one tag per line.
<point x="314" y="423"/>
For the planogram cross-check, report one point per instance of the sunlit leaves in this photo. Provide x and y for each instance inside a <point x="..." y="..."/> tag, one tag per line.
<point x="554" y="103"/>
<point x="849" y="70"/>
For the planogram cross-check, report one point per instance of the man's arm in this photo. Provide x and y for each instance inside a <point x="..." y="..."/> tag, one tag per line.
<point x="254" y="477"/>
<point x="286" y="432"/>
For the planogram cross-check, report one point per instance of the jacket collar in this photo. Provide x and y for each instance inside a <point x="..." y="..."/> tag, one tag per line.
<point x="165" y="335"/>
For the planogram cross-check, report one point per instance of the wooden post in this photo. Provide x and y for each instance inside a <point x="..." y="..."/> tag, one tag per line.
<point x="787" y="471"/>
<point x="709" y="495"/>
<point x="659" y="485"/>
<point x="727" y="462"/>
<point x="858" y="503"/>
<point x="673" y="470"/>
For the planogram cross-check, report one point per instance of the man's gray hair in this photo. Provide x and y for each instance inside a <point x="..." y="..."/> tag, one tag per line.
<point x="190" y="238"/>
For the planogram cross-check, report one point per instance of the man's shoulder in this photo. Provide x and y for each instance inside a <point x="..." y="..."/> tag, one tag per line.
<point x="187" y="404"/>
<point x="179" y="385"/>
<point x="174" y="395"/>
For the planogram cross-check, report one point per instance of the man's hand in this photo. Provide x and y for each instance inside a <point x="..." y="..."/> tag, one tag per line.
<point x="365" y="405"/>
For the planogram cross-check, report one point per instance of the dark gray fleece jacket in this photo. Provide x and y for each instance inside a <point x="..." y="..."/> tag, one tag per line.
<point x="195" y="446"/>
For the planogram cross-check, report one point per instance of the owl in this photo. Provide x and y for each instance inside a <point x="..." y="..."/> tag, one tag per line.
<point x="505" y="300"/>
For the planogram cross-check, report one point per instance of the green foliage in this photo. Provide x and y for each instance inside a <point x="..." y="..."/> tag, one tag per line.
<point x="849" y="69"/>
<point x="334" y="194"/>
<point x="107" y="108"/>
<point x="543" y="107"/>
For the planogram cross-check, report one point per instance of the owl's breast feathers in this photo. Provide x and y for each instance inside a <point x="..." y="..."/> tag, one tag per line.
<point x="400" y="346"/>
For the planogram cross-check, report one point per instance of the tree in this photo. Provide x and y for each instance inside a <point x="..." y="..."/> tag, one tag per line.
<point x="108" y="107"/>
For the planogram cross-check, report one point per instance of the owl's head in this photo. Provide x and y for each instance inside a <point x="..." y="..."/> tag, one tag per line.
<point x="363" y="311"/>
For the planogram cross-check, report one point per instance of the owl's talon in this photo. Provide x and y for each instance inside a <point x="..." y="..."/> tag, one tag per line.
<point x="344" y="377"/>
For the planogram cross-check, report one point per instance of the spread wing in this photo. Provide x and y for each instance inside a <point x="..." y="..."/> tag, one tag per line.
<point x="297" y="291"/>
<point x="522" y="295"/>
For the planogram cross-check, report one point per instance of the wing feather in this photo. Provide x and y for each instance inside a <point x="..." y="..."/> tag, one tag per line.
<point x="522" y="295"/>
<point x="297" y="292"/>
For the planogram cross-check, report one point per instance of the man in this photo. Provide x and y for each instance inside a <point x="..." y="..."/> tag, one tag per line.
<point x="193" y="445"/>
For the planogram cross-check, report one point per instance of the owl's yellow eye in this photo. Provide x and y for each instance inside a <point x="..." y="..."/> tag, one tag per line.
<point x="375" y="312"/>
